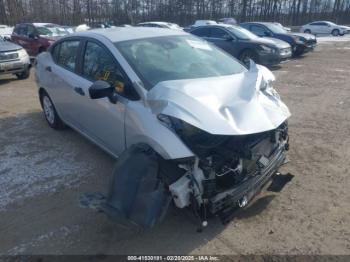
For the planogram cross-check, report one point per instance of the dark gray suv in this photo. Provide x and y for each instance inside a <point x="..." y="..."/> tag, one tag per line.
<point x="244" y="45"/>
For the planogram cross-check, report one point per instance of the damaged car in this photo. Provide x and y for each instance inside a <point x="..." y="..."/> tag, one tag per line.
<point x="189" y="124"/>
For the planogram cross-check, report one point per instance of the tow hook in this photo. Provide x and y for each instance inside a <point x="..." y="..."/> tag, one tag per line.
<point x="243" y="202"/>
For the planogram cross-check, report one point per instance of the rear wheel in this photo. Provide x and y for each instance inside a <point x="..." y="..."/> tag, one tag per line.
<point x="50" y="113"/>
<point x="247" y="55"/>
<point x="335" y="32"/>
<point x="307" y="31"/>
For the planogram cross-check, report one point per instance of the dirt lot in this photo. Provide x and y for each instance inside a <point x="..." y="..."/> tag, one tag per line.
<point x="43" y="173"/>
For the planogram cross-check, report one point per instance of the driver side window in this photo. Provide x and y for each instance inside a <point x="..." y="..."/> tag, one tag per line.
<point x="98" y="64"/>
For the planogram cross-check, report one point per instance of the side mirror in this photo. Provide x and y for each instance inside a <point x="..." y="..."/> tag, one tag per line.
<point x="101" y="89"/>
<point x="266" y="33"/>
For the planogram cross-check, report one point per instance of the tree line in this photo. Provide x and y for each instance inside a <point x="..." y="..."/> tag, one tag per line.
<point x="183" y="12"/>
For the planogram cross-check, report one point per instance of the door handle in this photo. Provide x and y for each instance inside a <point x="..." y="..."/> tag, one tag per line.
<point x="79" y="90"/>
<point x="48" y="68"/>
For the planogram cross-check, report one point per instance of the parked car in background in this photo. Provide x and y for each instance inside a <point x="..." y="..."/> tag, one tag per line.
<point x="288" y="29"/>
<point x="200" y="23"/>
<point x="300" y="42"/>
<point x="82" y="28"/>
<point x="34" y="37"/>
<point x="229" y="21"/>
<point x="204" y="22"/>
<point x="187" y="120"/>
<point x="160" y="25"/>
<point x="325" y="27"/>
<point x="13" y="59"/>
<point x="6" y="31"/>
<point x="244" y="45"/>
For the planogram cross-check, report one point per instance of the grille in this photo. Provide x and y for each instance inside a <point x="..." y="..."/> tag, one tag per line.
<point x="8" y="56"/>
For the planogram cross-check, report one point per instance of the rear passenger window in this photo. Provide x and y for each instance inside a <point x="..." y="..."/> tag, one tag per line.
<point x="67" y="55"/>
<point x="218" y="33"/>
<point x="258" y="30"/>
<point x="202" y="32"/>
<point x="100" y="65"/>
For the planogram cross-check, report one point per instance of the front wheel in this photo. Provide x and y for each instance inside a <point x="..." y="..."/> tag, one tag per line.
<point x="50" y="113"/>
<point x="335" y="32"/>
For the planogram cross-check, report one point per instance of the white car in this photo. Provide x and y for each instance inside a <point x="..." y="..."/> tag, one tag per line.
<point x="187" y="121"/>
<point x="14" y="60"/>
<point x="6" y="31"/>
<point x="325" y="27"/>
<point x="160" y="25"/>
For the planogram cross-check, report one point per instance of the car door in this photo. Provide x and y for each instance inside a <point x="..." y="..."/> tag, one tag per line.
<point x="224" y="40"/>
<point x="101" y="119"/>
<point x="315" y="28"/>
<point x="32" y="39"/>
<point x="61" y="77"/>
<point x="20" y="36"/>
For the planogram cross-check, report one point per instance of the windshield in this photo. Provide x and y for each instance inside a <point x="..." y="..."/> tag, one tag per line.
<point x="176" y="57"/>
<point x="44" y="31"/>
<point x="242" y="33"/>
<point x="276" y="29"/>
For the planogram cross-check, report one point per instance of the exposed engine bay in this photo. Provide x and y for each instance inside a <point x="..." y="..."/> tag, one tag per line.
<point x="225" y="163"/>
<point x="227" y="172"/>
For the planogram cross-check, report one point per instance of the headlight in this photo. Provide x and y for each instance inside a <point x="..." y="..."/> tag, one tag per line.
<point x="199" y="141"/>
<point x="22" y="53"/>
<point x="266" y="49"/>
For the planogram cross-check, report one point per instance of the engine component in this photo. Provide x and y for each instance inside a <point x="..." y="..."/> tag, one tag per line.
<point x="190" y="183"/>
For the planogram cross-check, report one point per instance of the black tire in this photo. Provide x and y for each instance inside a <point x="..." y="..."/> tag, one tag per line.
<point x="246" y="55"/>
<point x="335" y="32"/>
<point x="23" y="75"/>
<point x="50" y="112"/>
<point x="307" y="31"/>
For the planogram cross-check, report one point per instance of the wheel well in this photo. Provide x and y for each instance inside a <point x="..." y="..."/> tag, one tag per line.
<point x="41" y="49"/>
<point x="245" y="50"/>
<point x="41" y="93"/>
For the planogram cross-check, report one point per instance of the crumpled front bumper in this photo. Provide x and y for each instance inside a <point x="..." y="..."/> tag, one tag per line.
<point x="229" y="199"/>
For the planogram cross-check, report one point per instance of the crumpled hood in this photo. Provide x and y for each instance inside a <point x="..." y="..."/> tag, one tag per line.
<point x="306" y="36"/>
<point x="6" y="46"/>
<point x="227" y="105"/>
<point x="279" y="43"/>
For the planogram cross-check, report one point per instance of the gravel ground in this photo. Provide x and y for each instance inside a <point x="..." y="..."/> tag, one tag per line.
<point x="43" y="173"/>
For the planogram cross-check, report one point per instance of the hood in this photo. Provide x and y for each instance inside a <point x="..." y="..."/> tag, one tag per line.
<point x="277" y="42"/>
<point x="227" y="105"/>
<point x="345" y="27"/>
<point x="8" y="46"/>
<point x="306" y="36"/>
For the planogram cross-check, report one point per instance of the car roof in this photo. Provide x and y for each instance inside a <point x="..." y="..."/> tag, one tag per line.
<point x="42" y="24"/>
<point x="262" y="23"/>
<point x="119" y="34"/>
<point x="156" y="22"/>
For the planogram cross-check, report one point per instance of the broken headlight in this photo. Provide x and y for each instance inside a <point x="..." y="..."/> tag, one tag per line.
<point x="199" y="141"/>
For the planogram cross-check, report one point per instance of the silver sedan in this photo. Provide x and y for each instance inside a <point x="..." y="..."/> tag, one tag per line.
<point x="188" y="122"/>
